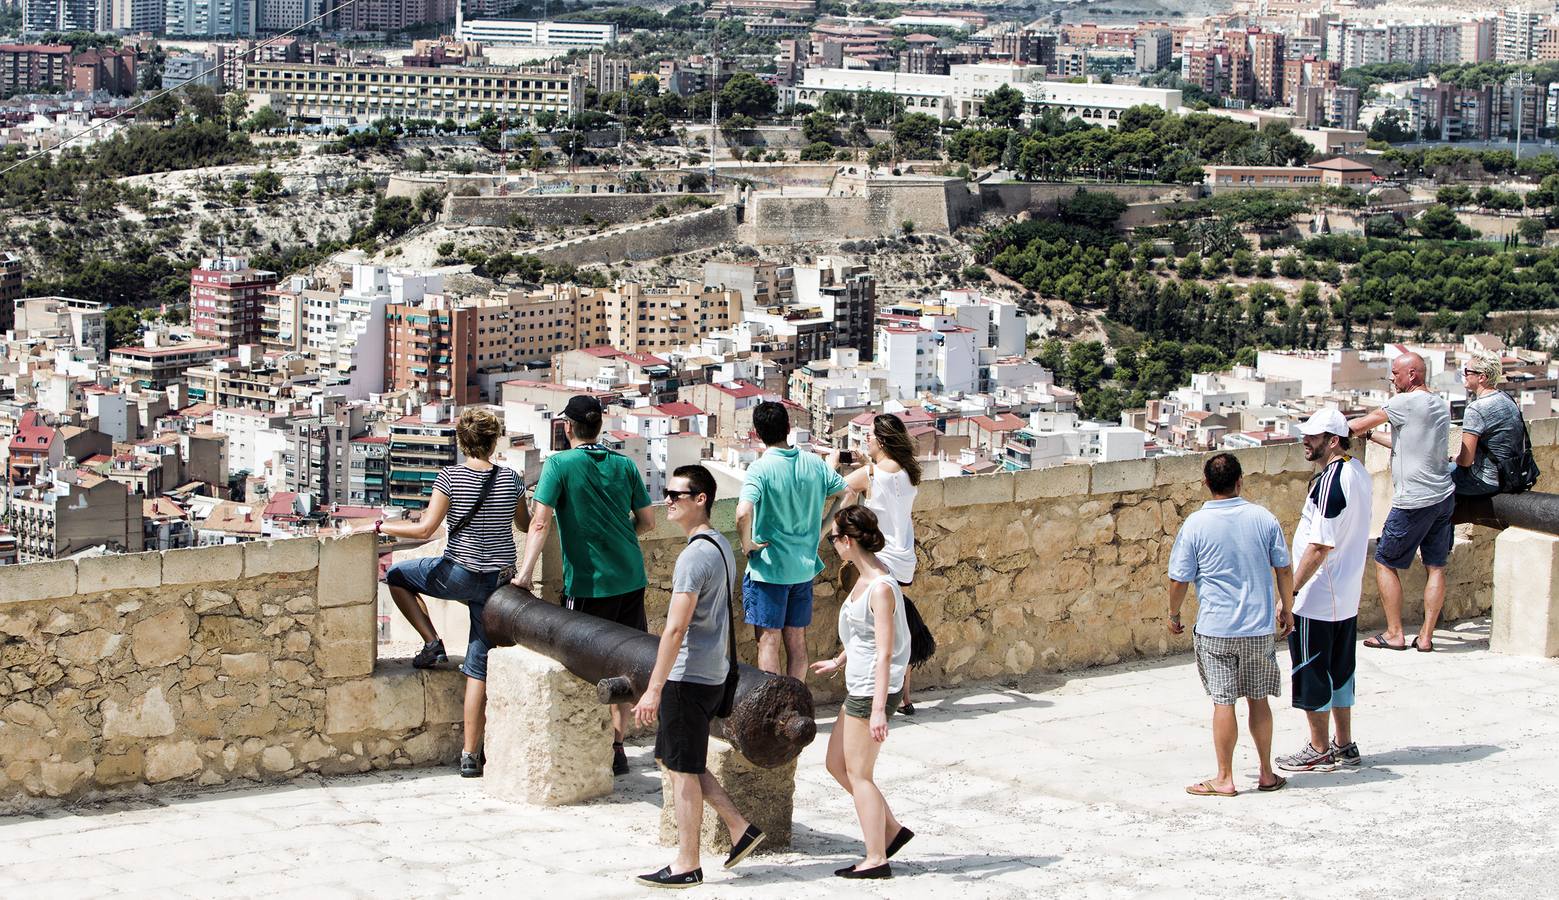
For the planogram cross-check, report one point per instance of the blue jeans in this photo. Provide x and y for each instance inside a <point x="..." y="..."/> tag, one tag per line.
<point x="777" y="605"/>
<point x="436" y="576"/>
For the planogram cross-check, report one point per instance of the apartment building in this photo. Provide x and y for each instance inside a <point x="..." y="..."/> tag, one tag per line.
<point x="82" y="322"/>
<point x="429" y="348"/>
<point x="318" y="455"/>
<point x="392" y="15"/>
<point x="501" y="32"/>
<point x="1519" y="31"/>
<point x="156" y="366"/>
<point x="607" y="74"/>
<point x="26" y="68"/>
<point x="10" y="288"/>
<point x="1266" y="65"/>
<point x="369" y="471"/>
<point x="347" y="95"/>
<point x="225" y="298"/>
<point x="249" y="380"/>
<point x="72" y="512"/>
<point x="211" y="17"/>
<point x="419" y="446"/>
<point x="1153" y="48"/>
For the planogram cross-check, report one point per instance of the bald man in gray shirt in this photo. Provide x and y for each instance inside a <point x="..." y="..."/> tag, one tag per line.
<point x="1422" y="498"/>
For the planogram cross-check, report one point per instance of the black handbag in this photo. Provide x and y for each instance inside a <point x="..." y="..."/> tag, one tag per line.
<point x="732" y="676"/>
<point x="922" y="643"/>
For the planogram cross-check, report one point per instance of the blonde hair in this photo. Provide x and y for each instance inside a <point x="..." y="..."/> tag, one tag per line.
<point x="1488" y="365"/>
<point x="477" y="433"/>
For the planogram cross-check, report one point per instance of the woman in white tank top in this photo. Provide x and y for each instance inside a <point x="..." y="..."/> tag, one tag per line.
<point x="875" y="634"/>
<point x="887" y="485"/>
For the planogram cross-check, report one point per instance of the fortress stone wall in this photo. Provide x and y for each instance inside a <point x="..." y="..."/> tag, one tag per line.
<point x="570" y="210"/>
<point x="189" y="668"/>
<point x="680" y="233"/>
<point x="203" y="667"/>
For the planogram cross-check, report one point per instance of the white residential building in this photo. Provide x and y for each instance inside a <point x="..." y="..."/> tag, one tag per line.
<point x="1324" y="371"/>
<point x="933" y="353"/>
<point x="959" y="94"/>
<point x="501" y="32"/>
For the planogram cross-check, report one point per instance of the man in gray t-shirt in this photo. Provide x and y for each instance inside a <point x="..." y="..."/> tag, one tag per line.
<point x="687" y="687"/>
<point x="1422" y="498"/>
<point x="1492" y="429"/>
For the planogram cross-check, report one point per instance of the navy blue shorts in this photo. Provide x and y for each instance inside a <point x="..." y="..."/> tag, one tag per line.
<point x="436" y="576"/>
<point x="777" y="605"/>
<point x="1427" y="531"/>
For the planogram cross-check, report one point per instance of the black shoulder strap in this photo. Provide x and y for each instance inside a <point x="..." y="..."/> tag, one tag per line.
<point x="487" y="486"/>
<point x="730" y="592"/>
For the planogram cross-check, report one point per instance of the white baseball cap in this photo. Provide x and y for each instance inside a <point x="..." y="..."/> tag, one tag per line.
<point x="1326" y="421"/>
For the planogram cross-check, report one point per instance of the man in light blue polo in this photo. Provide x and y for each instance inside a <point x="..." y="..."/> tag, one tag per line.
<point x="1232" y="549"/>
<point x="784" y="500"/>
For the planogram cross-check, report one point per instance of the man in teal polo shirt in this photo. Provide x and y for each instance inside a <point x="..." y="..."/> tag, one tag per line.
<point x="784" y="501"/>
<point x="601" y="507"/>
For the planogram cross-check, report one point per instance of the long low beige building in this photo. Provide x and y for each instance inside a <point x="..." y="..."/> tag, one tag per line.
<point x="350" y="95"/>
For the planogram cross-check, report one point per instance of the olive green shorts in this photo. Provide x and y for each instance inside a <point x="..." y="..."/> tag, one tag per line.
<point x="861" y="707"/>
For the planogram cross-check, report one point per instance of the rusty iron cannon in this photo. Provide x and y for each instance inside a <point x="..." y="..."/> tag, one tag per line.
<point x="773" y="718"/>
<point x="1532" y="510"/>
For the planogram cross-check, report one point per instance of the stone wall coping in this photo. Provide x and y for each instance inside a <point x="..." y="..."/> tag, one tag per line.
<point x="230" y="562"/>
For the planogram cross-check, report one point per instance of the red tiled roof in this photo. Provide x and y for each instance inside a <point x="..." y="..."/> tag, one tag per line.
<point x="739" y="389"/>
<point x="1003" y="422"/>
<point x="644" y="359"/>
<point x="280" y="504"/>
<point x="32" y="434"/>
<point x="680" y="410"/>
<point x="370" y="439"/>
<point x="604" y="351"/>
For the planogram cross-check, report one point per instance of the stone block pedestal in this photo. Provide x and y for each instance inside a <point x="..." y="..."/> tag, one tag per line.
<point x="549" y="740"/>
<point x="1526" y="594"/>
<point x="765" y="796"/>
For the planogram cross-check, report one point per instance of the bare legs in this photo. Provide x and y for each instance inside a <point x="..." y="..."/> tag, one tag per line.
<point x="1390" y="584"/>
<point x="1226" y="731"/>
<point x="411" y="606"/>
<point x="475" y="714"/>
<point x="793" y="641"/>
<point x="852" y="760"/>
<point x="691" y="792"/>
<point x="1319" y="739"/>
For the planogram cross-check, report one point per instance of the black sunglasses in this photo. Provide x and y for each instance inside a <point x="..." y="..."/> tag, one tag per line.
<point x="836" y="537"/>
<point x="672" y="495"/>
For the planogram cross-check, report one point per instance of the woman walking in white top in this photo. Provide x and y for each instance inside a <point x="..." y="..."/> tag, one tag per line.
<point x="887" y="485"/>
<point x="875" y="635"/>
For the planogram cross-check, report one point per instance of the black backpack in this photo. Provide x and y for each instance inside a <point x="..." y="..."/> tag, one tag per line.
<point x="1519" y="471"/>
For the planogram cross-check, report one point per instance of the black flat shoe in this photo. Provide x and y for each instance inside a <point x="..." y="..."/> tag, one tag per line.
<point x="664" y="879"/>
<point x="619" y="760"/>
<point x="907" y="709"/>
<point x="899" y="840"/>
<point x="744" y="845"/>
<point x="882" y="871"/>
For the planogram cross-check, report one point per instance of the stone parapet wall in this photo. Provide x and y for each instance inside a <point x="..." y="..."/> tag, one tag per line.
<point x="681" y="233"/>
<point x="546" y="210"/>
<point x="203" y="667"/>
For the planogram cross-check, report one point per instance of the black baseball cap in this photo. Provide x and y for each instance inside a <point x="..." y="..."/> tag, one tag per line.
<point x="581" y="407"/>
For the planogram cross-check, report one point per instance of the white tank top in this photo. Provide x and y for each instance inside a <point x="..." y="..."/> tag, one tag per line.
<point x="858" y="634"/>
<point x="891" y="497"/>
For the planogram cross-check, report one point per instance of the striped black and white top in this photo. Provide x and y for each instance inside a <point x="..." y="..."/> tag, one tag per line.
<point x="486" y="543"/>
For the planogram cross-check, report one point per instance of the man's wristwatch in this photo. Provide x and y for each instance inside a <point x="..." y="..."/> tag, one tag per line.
<point x="1174" y="617"/>
<point x="379" y="527"/>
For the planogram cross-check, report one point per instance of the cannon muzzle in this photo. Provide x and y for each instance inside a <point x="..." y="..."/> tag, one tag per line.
<point x="773" y="718"/>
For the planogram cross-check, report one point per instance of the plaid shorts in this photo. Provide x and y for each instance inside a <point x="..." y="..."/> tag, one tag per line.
<point x="1238" y="667"/>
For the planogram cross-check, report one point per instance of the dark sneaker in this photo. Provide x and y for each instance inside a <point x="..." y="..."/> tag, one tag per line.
<point x="899" y="840"/>
<point x="744" y="845"/>
<point x="620" y="763"/>
<point x="431" y="654"/>
<point x="1308" y="759"/>
<point x="471" y="764"/>
<point x="1346" y="755"/>
<point x="664" y="879"/>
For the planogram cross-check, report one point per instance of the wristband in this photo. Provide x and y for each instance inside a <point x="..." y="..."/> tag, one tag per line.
<point x="379" y="527"/>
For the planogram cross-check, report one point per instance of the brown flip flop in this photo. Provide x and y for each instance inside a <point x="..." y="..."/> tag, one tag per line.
<point x="1205" y="789"/>
<point x="1422" y="649"/>
<point x="1278" y="785"/>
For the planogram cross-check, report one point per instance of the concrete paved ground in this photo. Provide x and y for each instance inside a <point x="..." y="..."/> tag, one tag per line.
<point x="1065" y="786"/>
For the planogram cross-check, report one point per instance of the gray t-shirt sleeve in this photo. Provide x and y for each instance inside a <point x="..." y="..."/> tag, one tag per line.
<point x="698" y="569"/>
<point x="1396" y="409"/>
<point x="1472" y="420"/>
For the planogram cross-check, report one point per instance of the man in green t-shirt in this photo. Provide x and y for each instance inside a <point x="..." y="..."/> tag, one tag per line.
<point x="601" y="507"/>
<point x="784" y="500"/>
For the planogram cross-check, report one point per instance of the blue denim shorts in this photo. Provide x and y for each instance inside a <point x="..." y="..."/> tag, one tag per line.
<point x="777" y="605"/>
<point x="436" y="576"/>
<point x="1427" y="531"/>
